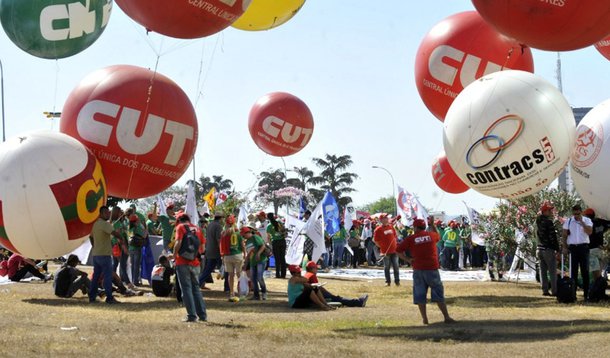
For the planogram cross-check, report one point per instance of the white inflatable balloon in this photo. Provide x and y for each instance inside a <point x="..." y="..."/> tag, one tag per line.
<point x="591" y="159"/>
<point x="509" y="134"/>
<point x="50" y="193"/>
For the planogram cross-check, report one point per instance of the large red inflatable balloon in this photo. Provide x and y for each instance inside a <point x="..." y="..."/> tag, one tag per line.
<point x="141" y="126"/>
<point x="552" y="25"/>
<point x="458" y="50"/>
<point x="444" y="176"/>
<point x="604" y="47"/>
<point x="185" y="19"/>
<point x="280" y="124"/>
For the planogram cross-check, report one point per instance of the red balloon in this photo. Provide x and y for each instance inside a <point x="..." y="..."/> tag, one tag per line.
<point x="604" y="47"/>
<point x="185" y="19"/>
<point x="445" y="177"/>
<point x="458" y="50"/>
<point x="280" y="124"/>
<point x="141" y="126"/>
<point x="552" y="25"/>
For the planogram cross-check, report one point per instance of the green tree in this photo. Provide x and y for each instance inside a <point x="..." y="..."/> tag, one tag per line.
<point x="381" y="205"/>
<point x="335" y="177"/>
<point x="304" y="176"/>
<point x="206" y="183"/>
<point x="270" y="182"/>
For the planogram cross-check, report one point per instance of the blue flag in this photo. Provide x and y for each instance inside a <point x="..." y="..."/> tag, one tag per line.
<point x="331" y="213"/>
<point x="303" y="209"/>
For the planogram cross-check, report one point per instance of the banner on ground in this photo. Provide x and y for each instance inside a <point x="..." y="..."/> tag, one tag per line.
<point x="294" y="251"/>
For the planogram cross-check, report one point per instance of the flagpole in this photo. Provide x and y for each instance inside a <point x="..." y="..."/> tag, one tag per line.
<point x="393" y="187"/>
<point x="2" y="90"/>
<point x="286" y="178"/>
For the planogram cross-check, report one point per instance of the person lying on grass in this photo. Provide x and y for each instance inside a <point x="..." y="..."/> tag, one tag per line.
<point x="312" y="279"/>
<point x="303" y="295"/>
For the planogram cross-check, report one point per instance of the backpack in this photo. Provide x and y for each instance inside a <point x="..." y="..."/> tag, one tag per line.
<point x="353" y="242"/>
<point x="189" y="249"/>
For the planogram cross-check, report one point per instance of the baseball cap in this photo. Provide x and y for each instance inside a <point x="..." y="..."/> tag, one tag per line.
<point x="546" y="206"/>
<point x="244" y="230"/>
<point x="133" y="218"/>
<point x="419" y="223"/>
<point x="589" y="212"/>
<point x="311" y="264"/>
<point x="383" y="215"/>
<point x="294" y="268"/>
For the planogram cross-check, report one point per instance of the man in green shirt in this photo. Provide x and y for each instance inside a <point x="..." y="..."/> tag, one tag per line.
<point x="167" y="222"/>
<point x="102" y="233"/>
<point x="339" y="240"/>
<point x="277" y="237"/>
<point x="451" y="242"/>
<point x="119" y="225"/>
<point x="255" y="247"/>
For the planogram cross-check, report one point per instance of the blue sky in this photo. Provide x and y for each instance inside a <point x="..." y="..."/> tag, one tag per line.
<point x="350" y="61"/>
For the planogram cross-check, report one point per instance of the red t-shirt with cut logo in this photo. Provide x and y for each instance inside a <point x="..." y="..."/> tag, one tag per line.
<point x="385" y="237"/>
<point x="422" y="247"/>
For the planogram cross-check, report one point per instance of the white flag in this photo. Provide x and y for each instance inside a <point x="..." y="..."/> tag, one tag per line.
<point x="403" y="204"/>
<point x="315" y="230"/>
<point x="242" y="218"/>
<point x="161" y="207"/>
<point x="191" y="206"/>
<point x="221" y="197"/>
<point x="294" y="251"/>
<point x="419" y="209"/>
<point x="205" y="209"/>
<point x="349" y="216"/>
<point x="473" y="217"/>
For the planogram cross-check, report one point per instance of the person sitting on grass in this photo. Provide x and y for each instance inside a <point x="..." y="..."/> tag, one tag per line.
<point x="303" y="295"/>
<point x="161" y="278"/>
<point x="424" y="257"/>
<point x="312" y="278"/>
<point x="69" y="279"/>
<point x="19" y="266"/>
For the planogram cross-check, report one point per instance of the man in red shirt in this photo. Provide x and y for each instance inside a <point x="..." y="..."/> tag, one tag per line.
<point x="424" y="258"/>
<point x="18" y="266"/>
<point x="385" y="238"/>
<point x="187" y="271"/>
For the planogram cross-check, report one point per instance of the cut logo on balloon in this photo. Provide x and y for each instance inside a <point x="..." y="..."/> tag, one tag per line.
<point x="275" y="127"/>
<point x="589" y="142"/>
<point x="81" y="20"/>
<point x="81" y="208"/>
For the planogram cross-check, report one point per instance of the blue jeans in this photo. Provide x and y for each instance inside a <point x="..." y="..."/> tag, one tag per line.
<point x="210" y="265"/>
<point x="123" y="268"/>
<point x="324" y="258"/>
<point x="191" y="294"/>
<point x="338" y="247"/>
<point x="391" y="260"/>
<point x="451" y="256"/>
<point x="257" y="278"/>
<point x="370" y="253"/>
<point x="102" y="265"/>
<point x="136" y="264"/>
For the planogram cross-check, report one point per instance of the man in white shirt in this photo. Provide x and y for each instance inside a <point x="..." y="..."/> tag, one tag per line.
<point x="576" y="231"/>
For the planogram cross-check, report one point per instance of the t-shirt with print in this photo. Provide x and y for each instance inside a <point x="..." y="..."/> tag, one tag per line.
<point x="385" y="237"/>
<point x="235" y="247"/>
<point x="422" y="247"/>
<point x="451" y="238"/>
<point x="273" y="233"/>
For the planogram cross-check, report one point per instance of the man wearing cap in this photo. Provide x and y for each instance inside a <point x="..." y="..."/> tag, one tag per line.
<point x="548" y="245"/>
<point x="212" y="248"/>
<point x="188" y="270"/>
<point x="576" y="231"/>
<point x="596" y="241"/>
<point x="167" y="222"/>
<point x="385" y="238"/>
<point x="424" y="257"/>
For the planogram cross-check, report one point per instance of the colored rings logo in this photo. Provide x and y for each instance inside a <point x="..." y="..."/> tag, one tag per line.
<point x="500" y="143"/>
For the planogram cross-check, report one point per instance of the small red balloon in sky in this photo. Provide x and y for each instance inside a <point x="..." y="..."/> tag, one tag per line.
<point x="458" y="50"/>
<point x="280" y="124"/>
<point x="551" y="25"/>
<point x="604" y="47"/>
<point x="185" y="19"/>
<point x="140" y="125"/>
<point x="444" y="176"/>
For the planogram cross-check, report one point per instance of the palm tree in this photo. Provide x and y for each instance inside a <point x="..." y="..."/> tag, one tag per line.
<point x="204" y="184"/>
<point x="221" y="184"/>
<point x="335" y="177"/>
<point x="304" y="176"/>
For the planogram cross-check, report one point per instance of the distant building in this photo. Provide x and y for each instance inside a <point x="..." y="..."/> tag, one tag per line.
<point x="565" y="182"/>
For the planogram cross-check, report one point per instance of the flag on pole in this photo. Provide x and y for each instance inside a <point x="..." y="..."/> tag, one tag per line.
<point x="349" y="215"/>
<point x="191" y="206"/>
<point x="221" y="197"/>
<point x="302" y="208"/>
<point x="419" y="209"/>
<point x="210" y="199"/>
<point x="331" y="213"/>
<point x="161" y="207"/>
<point x="314" y="229"/>
<point x="403" y="204"/>
<point x="242" y="217"/>
<point x="205" y="209"/>
<point x="473" y="217"/>
<point x="294" y="251"/>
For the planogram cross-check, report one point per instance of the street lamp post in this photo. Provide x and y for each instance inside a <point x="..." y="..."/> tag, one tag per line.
<point x="2" y="90"/>
<point x="393" y="187"/>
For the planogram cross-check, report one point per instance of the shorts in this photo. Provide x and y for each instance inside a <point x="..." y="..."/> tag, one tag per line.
<point x="596" y="257"/>
<point x="422" y="279"/>
<point x="233" y="263"/>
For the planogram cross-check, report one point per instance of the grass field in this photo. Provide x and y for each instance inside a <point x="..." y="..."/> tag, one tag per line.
<point x="494" y="319"/>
